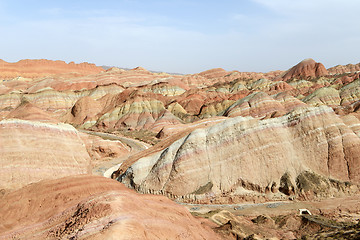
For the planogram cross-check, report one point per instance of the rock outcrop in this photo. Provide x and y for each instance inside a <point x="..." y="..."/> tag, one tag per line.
<point x="258" y="104"/>
<point x="84" y="110"/>
<point x="323" y="96"/>
<point x="341" y="69"/>
<point x="306" y="69"/>
<point x="246" y="156"/>
<point x="33" y="151"/>
<point x="90" y="207"/>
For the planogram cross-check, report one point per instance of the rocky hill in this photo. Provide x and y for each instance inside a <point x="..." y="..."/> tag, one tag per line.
<point x="90" y="207"/>
<point x="341" y="69"/>
<point x="219" y="137"/>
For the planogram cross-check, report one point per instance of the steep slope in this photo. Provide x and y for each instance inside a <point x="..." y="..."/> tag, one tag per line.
<point x="246" y="157"/>
<point x="32" y="151"/>
<point x="84" y="110"/>
<point x="135" y="110"/>
<point x="89" y="207"/>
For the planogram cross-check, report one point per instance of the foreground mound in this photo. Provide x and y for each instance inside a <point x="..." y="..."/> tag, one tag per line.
<point x="92" y="207"/>
<point x="308" y="152"/>
<point x="32" y="151"/>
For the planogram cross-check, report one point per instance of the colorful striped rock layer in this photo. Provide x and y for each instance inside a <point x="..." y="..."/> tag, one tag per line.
<point x="90" y="207"/>
<point x="216" y="136"/>
<point x="307" y="153"/>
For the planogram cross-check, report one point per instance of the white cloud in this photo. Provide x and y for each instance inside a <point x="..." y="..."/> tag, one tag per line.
<point x="111" y="41"/>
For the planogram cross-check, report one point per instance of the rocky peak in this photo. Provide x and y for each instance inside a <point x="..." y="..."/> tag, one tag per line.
<point x="307" y="68"/>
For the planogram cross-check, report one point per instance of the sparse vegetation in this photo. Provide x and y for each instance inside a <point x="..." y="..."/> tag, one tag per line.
<point x="141" y="135"/>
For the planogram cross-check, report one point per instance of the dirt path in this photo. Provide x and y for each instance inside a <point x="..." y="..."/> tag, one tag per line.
<point x="134" y="144"/>
<point x="345" y="204"/>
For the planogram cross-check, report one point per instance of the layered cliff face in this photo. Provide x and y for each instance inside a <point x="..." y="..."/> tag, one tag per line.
<point x="33" y="151"/>
<point x="241" y="157"/>
<point x="89" y="207"/>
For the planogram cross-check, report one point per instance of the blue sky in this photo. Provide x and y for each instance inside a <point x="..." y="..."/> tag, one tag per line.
<point x="182" y="36"/>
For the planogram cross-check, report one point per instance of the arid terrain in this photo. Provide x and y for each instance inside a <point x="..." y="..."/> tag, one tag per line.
<point x="89" y="153"/>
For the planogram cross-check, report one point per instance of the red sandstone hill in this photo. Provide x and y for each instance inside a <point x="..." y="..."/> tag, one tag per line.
<point x="90" y="207"/>
<point x="43" y="67"/>
<point x="307" y="68"/>
<point x="340" y="69"/>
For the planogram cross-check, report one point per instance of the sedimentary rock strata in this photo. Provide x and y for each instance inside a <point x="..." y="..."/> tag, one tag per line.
<point x="340" y="69"/>
<point x="140" y="99"/>
<point x="89" y="207"/>
<point x="33" y="151"/>
<point x="27" y="111"/>
<point x="43" y="67"/>
<point x="258" y="104"/>
<point x="217" y="136"/>
<point x="247" y="155"/>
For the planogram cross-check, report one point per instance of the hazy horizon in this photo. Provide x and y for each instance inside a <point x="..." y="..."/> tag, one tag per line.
<point x="182" y="36"/>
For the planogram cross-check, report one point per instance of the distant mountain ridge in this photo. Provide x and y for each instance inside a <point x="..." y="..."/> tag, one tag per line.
<point x="35" y="68"/>
<point x="127" y="69"/>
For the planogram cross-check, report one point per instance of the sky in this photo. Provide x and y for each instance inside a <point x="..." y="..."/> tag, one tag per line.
<point x="183" y="36"/>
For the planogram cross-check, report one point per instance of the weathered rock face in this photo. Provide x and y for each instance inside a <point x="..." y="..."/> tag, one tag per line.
<point x="323" y="96"/>
<point x="288" y="102"/>
<point x="132" y="109"/>
<point x="340" y="69"/>
<point x="100" y="149"/>
<point x="42" y="67"/>
<point x="242" y="156"/>
<point x="84" y="110"/>
<point x="258" y="105"/>
<point x="33" y="151"/>
<point x="89" y="207"/>
<point x="307" y="68"/>
<point x="261" y="105"/>
<point x="350" y="93"/>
